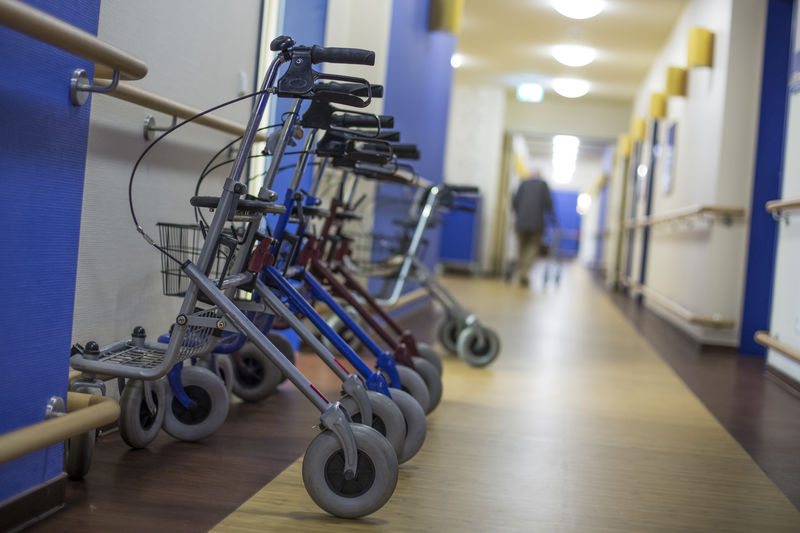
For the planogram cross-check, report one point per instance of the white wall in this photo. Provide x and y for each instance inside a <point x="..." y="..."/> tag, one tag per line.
<point x="195" y="50"/>
<point x="555" y="114"/>
<point x="785" y="320"/>
<point x="474" y="151"/>
<point x="702" y="268"/>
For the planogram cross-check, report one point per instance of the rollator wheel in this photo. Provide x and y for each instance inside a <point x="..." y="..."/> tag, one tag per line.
<point x="257" y="377"/>
<point x="475" y="352"/>
<point x="374" y="481"/>
<point x="448" y="333"/>
<point x="78" y="451"/>
<point x="387" y="418"/>
<point x="427" y="352"/>
<point x="223" y="369"/>
<point x="416" y="424"/>
<point x="412" y="383"/>
<point x="282" y="344"/>
<point x="432" y="379"/>
<point x="137" y="425"/>
<point x="208" y="392"/>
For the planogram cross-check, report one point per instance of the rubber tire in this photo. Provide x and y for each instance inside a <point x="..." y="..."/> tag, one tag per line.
<point x="282" y="344"/>
<point x="413" y="384"/>
<point x="448" y="333"/>
<point x="427" y="352"/>
<point x="267" y="378"/>
<point x="386" y="415"/>
<point x="78" y="451"/>
<point x="223" y="370"/>
<point x="203" y="385"/>
<point x="336" y="324"/>
<point x="416" y="424"/>
<point x="137" y="426"/>
<point x="432" y="379"/>
<point x="478" y="356"/>
<point x="372" y="445"/>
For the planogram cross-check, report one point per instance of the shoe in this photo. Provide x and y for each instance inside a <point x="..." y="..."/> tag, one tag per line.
<point x="524" y="282"/>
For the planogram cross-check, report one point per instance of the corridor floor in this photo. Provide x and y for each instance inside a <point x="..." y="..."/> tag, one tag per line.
<point x="578" y="426"/>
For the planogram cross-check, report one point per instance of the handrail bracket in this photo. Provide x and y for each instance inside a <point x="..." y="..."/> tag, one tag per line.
<point x="80" y="86"/>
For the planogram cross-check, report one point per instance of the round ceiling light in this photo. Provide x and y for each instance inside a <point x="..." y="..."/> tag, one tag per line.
<point x="574" y="55"/>
<point x="570" y="87"/>
<point x="456" y="60"/>
<point x="530" y="92"/>
<point x="578" y="9"/>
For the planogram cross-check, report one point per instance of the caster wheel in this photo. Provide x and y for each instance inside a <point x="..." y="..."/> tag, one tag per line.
<point x="210" y="411"/>
<point x="475" y="352"/>
<point x="448" y="333"/>
<point x="137" y="425"/>
<point x="387" y="418"/>
<point x="432" y="379"/>
<point x="412" y="383"/>
<point x="223" y="369"/>
<point x="343" y="331"/>
<point x="282" y="344"/>
<point x="255" y="377"/>
<point x="416" y="424"/>
<point x="426" y="351"/>
<point x="78" y="451"/>
<point x="375" y="478"/>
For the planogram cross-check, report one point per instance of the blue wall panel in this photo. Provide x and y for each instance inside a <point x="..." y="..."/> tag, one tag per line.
<point x="42" y="157"/>
<point x="417" y="94"/>
<point x="569" y="222"/>
<point x="767" y="182"/>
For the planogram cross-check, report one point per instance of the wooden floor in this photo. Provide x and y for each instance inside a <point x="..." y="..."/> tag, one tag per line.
<point x="579" y="426"/>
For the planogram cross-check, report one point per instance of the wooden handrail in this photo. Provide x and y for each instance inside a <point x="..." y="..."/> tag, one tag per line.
<point x="765" y="339"/>
<point x="407" y="298"/>
<point x="156" y="102"/>
<point x="685" y="314"/>
<point x="776" y="207"/>
<point x="84" y="412"/>
<point x="688" y="212"/>
<point x="46" y="28"/>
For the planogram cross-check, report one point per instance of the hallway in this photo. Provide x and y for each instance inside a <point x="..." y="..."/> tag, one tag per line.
<point x="579" y="426"/>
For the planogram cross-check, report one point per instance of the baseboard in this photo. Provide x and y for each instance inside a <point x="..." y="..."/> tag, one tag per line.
<point x="784" y="378"/>
<point x="33" y="505"/>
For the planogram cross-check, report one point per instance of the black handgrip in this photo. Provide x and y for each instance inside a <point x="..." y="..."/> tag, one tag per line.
<point x="355" y="89"/>
<point x="350" y="56"/>
<point x="463" y="189"/>
<point x="349" y="120"/>
<point x="406" y="151"/>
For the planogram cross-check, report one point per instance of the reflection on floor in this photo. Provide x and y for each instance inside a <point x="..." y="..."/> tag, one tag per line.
<point x="579" y="426"/>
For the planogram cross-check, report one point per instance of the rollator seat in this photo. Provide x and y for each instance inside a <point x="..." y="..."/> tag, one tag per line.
<point x="245" y="208"/>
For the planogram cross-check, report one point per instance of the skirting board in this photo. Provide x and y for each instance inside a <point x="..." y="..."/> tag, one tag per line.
<point x="34" y="504"/>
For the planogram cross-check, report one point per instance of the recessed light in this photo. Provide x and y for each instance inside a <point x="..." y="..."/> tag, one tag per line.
<point x="584" y="203"/>
<point x="570" y="87"/>
<point x="578" y="9"/>
<point x="530" y="92"/>
<point x="574" y="55"/>
<point x="456" y="60"/>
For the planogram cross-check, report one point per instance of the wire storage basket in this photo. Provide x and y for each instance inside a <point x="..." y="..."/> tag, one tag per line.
<point x="184" y="241"/>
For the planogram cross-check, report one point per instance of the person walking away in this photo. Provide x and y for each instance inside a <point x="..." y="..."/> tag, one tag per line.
<point x="530" y="204"/>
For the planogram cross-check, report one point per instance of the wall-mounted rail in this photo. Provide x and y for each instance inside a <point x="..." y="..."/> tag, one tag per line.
<point x="156" y="102"/>
<point x="674" y="307"/>
<point x="780" y="208"/>
<point x="765" y="339"/>
<point x="712" y="212"/>
<point x="84" y="412"/>
<point x="46" y="28"/>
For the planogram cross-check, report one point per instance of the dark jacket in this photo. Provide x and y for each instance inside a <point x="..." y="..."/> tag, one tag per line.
<point x="530" y="203"/>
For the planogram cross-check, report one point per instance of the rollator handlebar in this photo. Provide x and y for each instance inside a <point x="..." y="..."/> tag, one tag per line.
<point x="350" y="120"/>
<point x="462" y="189"/>
<point x="402" y="151"/>
<point x="350" y="56"/>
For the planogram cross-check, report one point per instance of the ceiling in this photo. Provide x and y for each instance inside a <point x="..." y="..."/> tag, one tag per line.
<point x="505" y="42"/>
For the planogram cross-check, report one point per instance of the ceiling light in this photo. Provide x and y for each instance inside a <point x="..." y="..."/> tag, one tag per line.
<point x="570" y="87"/>
<point x="578" y="9"/>
<point x="456" y="60"/>
<point x="530" y="92"/>
<point x="584" y="203"/>
<point x="574" y="55"/>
